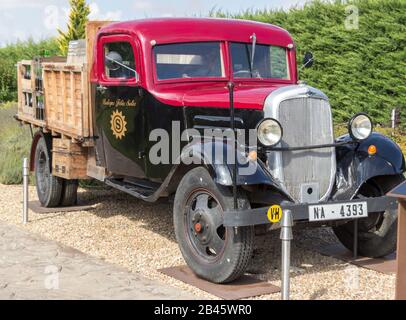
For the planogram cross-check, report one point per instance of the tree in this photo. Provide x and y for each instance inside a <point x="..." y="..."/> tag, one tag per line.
<point x="78" y="18"/>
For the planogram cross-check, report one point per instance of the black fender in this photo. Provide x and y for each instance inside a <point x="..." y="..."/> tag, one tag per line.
<point x="218" y="156"/>
<point x="355" y="166"/>
<point x="37" y="136"/>
<point x="213" y="155"/>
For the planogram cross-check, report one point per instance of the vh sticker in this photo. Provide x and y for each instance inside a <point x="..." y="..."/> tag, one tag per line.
<point x="275" y="214"/>
<point x="118" y="124"/>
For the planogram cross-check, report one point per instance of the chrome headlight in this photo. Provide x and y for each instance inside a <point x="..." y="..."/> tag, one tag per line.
<point x="269" y="132"/>
<point x="360" y="127"/>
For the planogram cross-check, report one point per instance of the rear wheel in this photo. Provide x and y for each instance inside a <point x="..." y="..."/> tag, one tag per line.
<point x="214" y="252"/>
<point x="49" y="187"/>
<point x="69" y="193"/>
<point x="377" y="234"/>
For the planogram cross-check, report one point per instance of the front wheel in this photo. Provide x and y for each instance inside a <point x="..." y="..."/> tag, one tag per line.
<point x="214" y="252"/>
<point x="377" y="234"/>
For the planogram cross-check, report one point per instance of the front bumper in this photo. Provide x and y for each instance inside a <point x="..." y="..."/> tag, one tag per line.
<point x="300" y="212"/>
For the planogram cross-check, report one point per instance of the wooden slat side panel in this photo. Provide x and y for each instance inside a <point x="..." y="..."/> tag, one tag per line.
<point x="58" y="94"/>
<point x="62" y="67"/>
<point x="75" y="104"/>
<point x="85" y="102"/>
<point x="65" y="103"/>
<point x="48" y="95"/>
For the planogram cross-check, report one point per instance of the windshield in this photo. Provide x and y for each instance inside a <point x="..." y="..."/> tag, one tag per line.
<point x="270" y="62"/>
<point x="189" y="60"/>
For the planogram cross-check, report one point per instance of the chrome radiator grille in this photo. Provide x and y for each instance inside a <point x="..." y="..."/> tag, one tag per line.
<point x="307" y="175"/>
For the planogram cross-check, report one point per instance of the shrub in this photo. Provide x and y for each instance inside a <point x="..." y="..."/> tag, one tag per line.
<point x="15" y="142"/>
<point x="11" y="54"/>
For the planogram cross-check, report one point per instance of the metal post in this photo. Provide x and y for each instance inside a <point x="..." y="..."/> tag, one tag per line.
<point x="355" y="248"/>
<point x="232" y="124"/>
<point x="25" y="190"/>
<point x="286" y="237"/>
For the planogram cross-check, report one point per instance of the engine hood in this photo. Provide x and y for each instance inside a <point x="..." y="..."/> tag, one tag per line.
<point x="217" y="96"/>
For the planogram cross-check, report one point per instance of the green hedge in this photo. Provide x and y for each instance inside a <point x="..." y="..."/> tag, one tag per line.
<point x="360" y="70"/>
<point x="13" y="53"/>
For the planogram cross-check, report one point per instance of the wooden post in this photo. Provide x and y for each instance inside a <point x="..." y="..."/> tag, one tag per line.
<point x="401" y="253"/>
<point x="400" y="193"/>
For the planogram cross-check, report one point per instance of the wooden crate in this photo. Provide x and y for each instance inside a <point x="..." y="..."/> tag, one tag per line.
<point x="69" y="160"/>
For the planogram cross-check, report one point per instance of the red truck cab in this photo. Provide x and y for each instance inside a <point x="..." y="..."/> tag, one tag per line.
<point x="148" y="36"/>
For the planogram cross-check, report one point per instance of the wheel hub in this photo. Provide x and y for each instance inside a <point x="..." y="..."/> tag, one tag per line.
<point x="201" y="226"/>
<point x="205" y="228"/>
<point x="198" y="227"/>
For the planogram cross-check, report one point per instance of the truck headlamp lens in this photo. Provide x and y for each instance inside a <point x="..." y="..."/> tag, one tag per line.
<point x="360" y="127"/>
<point x="269" y="132"/>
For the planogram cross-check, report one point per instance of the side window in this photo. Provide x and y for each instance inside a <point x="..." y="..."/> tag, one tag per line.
<point x="279" y="63"/>
<point x="119" y="60"/>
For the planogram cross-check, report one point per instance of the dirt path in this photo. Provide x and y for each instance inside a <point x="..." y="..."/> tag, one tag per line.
<point x="34" y="268"/>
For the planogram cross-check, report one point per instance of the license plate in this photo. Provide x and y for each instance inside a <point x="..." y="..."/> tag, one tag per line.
<point x="335" y="211"/>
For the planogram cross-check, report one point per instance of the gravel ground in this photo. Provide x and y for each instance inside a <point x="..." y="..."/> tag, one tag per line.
<point x="139" y="236"/>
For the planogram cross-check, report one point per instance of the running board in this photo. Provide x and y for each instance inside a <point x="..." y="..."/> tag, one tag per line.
<point x="146" y="194"/>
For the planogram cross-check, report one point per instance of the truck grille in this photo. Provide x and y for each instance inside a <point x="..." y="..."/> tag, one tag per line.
<point x="307" y="175"/>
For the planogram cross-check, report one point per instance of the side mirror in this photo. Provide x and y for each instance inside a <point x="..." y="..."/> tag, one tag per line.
<point x="308" y="60"/>
<point x="113" y="61"/>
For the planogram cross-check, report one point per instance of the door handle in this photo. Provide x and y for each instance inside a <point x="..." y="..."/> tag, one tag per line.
<point x="101" y="89"/>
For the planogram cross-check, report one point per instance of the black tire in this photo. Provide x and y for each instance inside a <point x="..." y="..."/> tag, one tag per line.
<point x="49" y="187"/>
<point x="216" y="253"/>
<point x="377" y="234"/>
<point x="69" y="193"/>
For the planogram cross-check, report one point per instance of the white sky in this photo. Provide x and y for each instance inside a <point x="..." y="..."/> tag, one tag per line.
<point x="21" y="19"/>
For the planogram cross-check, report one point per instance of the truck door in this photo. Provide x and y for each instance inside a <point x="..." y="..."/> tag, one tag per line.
<point x="119" y="106"/>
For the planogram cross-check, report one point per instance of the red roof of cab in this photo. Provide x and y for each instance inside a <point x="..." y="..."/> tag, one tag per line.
<point x="175" y="30"/>
<point x="171" y="30"/>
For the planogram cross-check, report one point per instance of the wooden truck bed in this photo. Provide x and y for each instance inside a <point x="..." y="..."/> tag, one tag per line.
<point x="55" y="94"/>
<point x="61" y="104"/>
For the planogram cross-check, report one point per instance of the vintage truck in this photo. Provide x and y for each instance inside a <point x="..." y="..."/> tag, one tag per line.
<point x="94" y="114"/>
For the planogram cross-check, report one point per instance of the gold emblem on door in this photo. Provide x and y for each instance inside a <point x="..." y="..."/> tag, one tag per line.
<point x="118" y="124"/>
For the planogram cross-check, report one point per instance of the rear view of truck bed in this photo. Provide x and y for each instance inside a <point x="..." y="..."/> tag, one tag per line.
<point x="54" y="95"/>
